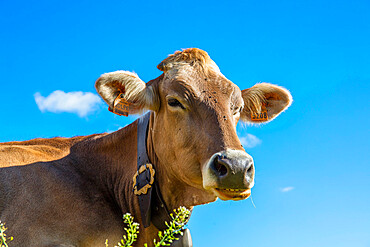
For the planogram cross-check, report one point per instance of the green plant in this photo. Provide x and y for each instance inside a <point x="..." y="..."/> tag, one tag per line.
<point x="179" y="219"/>
<point x="132" y="231"/>
<point x="175" y="227"/>
<point x="3" y="237"/>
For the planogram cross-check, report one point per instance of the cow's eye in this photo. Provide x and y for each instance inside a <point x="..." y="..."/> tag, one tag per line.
<point x="237" y="110"/>
<point x="175" y="103"/>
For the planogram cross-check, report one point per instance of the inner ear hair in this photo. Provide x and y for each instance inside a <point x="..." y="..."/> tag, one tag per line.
<point x="254" y="100"/>
<point x="110" y="85"/>
<point x="140" y="97"/>
<point x="274" y="99"/>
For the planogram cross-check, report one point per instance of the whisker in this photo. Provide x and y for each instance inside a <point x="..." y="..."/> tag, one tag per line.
<point x="253" y="202"/>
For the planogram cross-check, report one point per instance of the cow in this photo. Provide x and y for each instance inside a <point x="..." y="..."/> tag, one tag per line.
<point x="186" y="146"/>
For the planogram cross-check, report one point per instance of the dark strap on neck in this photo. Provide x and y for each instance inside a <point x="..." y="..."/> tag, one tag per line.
<point x="142" y="179"/>
<point x="152" y="207"/>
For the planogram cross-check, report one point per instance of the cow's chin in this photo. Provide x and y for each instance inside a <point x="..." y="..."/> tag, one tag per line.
<point x="231" y="194"/>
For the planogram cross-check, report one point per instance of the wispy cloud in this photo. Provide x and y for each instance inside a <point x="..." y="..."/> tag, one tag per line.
<point x="286" y="189"/>
<point x="249" y="141"/>
<point x="80" y="103"/>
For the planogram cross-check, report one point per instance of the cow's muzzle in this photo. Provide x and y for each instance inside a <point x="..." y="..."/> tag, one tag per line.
<point x="229" y="175"/>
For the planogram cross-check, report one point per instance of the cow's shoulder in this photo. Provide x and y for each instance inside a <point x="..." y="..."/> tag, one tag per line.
<point x="41" y="149"/>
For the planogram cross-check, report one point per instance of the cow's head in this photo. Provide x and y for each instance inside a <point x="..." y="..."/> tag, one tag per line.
<point x="196" y="110"/>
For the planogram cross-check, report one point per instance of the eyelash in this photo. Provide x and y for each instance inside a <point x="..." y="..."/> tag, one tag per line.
<point x="237" y="110"/>
<point x="175" y="103"/>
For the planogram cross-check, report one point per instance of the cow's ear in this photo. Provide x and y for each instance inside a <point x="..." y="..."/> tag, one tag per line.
<point x="263" y="102"/>
<point x="138" y="95"/>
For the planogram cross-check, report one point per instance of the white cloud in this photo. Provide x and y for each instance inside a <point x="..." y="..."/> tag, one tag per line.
<point x="249" y="141"/>
<point x="286" y="189"/>
<point x="81" y="103"/>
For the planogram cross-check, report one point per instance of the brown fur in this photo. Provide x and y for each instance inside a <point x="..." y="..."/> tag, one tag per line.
<point x="26" y="152"/>
<point x="193" y="56"/>
<point x="79" y="197"/>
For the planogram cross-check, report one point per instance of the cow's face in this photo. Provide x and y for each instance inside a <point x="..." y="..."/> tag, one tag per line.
<point x="196" y="112"/>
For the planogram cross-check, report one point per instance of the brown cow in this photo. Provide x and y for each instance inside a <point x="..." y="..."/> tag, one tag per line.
<point x="79" y="199"/>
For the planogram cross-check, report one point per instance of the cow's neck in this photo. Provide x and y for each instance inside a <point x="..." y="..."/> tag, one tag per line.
<point x="175" y="192"/>
<point x="109" y="161"/>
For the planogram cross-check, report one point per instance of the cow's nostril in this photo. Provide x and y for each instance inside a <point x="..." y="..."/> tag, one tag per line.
<point x="219" y="168"/>
<point x="222" y="170"/>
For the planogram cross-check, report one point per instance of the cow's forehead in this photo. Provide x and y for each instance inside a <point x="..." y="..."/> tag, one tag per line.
<point x="186" y="79"/>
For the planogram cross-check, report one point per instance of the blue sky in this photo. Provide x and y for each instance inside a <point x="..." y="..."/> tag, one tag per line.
<point x="312" y="162"/>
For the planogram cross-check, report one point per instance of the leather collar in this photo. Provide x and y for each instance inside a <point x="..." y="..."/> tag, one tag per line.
<point x="152" y="207"/>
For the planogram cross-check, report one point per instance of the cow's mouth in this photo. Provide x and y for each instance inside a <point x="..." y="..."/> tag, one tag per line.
<point x="232" y="194"/>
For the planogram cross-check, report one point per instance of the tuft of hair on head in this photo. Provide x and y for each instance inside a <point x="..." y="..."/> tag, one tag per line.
<point x="191" y="56"/>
